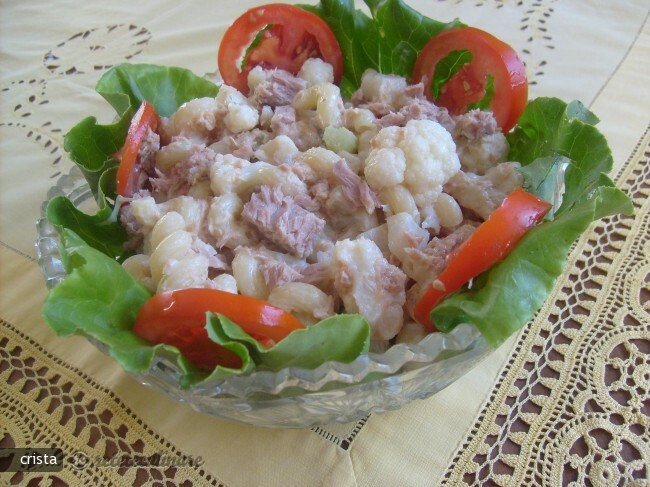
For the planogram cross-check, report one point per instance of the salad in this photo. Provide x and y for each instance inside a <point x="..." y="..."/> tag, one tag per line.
<point x="354" y="182"/>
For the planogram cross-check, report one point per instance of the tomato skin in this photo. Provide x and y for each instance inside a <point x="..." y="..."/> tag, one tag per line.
<point x="489" y="244"/>
<point x="127" y="173"/>
<point x="490" y="56"/>
<point x="178" y="318"/>
<point x="293" y="36"/>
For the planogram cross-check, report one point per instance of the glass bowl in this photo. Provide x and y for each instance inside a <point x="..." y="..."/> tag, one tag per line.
<point x="293" y="397"/>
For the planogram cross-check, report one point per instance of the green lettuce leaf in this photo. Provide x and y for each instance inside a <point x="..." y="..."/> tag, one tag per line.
<point x="91" y="145"/>
<point x="100" y="299"/>
<point x="507" y="296"/>
<point x="388" y="41"/>
<point x="126" y="86"/>
<point x="101" y="230"/>
<point x="447" y="67"/>
<point x="307" y="348"/>
<point x="550" y="128"/>
<point x="553" y="140"/>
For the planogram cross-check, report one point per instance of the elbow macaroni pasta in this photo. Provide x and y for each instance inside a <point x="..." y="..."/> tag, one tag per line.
<point x="248" y="275"/>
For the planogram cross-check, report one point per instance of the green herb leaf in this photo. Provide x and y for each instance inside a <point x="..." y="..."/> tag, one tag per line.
<point x="256" y="42"/>
<point x="447" y="67"/>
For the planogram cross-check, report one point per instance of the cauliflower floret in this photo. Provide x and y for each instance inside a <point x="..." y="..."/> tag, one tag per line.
<point x="368" y="284"/>
<point x="195" y="119"/>
<point x="315" y="71"/>
<point x="429" y="158"/>
<point x="385" y="167"/>
<point x="240" y="115"/>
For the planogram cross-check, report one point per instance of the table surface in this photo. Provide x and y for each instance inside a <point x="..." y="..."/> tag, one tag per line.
<point x="566" y="401"/>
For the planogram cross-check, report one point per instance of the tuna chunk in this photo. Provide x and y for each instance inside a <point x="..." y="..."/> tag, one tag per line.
<point x="368" y="284"/>
<point x="484" y="194"/>
<point x="279" y="219"/>
<point x="185" y="173"/>
<point x="244" y="144"/>
<point x="473" y="125"/>
<point x="277" y="88"/>
<point x="148" y="149"/>
<point x="132" y="226"/>
<point x="432" y="260"/>
<point x="304" y="133"/>
<point x="479" y="142"/>
<point x="195" y="168"/>
<point x="355" y="189"/>
<point x="417" y="109"/>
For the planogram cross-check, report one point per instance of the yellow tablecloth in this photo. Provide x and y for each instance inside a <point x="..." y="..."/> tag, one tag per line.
<point x="564" y="401"/>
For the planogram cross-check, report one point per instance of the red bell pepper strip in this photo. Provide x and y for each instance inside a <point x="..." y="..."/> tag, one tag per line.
<point x="128" y="172"/>
<point x="489" y="244"/>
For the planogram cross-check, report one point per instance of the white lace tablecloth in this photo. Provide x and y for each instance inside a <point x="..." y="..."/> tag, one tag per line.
<point x="564" y="402"/>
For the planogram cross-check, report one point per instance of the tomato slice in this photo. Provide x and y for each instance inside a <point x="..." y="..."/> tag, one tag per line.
<point x="489" y="244"/>
<point x="178" y="318"/>
<point x="491" y="57"/>
<point x="128" y="172"/>
<point x="276" y="36"/>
